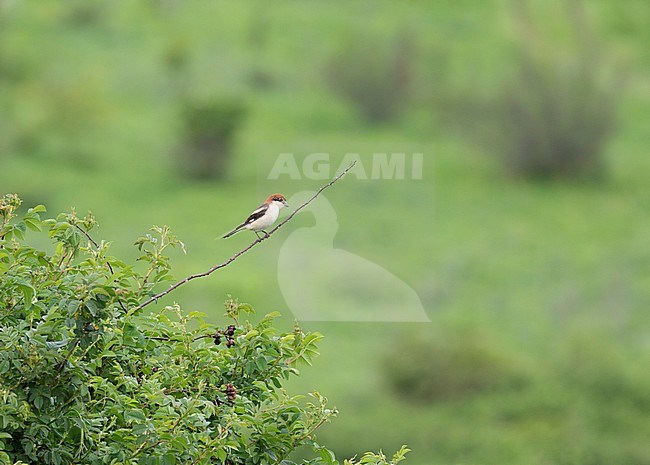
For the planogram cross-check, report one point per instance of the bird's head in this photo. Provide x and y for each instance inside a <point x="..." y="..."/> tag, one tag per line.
<point x="277" y="199"/>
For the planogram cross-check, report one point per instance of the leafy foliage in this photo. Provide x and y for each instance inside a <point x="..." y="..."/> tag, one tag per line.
<point x="85" y="378"/>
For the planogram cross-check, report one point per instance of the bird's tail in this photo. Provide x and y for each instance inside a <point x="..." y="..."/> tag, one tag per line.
<point x="234" y="231"/>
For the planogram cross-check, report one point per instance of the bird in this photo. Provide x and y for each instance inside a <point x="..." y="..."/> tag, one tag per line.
<point x="263" y="217"/>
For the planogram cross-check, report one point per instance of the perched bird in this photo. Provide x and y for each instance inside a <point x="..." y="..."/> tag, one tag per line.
<point x="265" y="215"/>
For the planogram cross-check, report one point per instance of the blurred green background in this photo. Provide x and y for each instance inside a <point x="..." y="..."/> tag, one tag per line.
<point x="526" y="238"/>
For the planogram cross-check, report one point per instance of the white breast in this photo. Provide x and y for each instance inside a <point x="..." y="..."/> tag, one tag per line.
<point x="267" y="220"/>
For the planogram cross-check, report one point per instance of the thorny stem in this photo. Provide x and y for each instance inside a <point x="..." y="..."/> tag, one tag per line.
<point x="246" y="249"/>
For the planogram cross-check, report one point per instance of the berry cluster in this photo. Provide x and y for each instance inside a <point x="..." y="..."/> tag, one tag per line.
<point x="231" y="392"/>
<point x="229" y="334"/>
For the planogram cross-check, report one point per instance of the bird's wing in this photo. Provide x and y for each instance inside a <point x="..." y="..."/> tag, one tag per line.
<point x="257" y="214"/>
<point x="253" y="216"/>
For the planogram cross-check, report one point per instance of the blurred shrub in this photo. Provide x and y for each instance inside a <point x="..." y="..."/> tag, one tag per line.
<point x="209" y="130"/>
<point x="554" y="113"/>
<point x="557" y="119"/>
<point x="81" y="13"/>
<point x="77" y="114"/>
<point x="606" y="392"/>
<point x="53" y="105"/>
<point x="593" y="363"/>
<point x="445" y="368"/>
<point x="373" y="73"/>
<point x="57" y="119"/>
<point x="176" y="61"/>
<point x="260" y="75"/>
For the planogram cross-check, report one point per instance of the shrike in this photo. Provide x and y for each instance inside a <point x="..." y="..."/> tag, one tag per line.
<point x="265" y="215"/>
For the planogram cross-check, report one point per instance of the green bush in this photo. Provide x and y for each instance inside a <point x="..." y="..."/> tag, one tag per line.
<point x="603" y="371"/>
<point x="554" y="114"/>
<point x="89" y="377"/>
<point x="374" y="73"/>
<point x="557" y="119"/>
<point x="209" y="129"/>
<point x="445" y="368"/>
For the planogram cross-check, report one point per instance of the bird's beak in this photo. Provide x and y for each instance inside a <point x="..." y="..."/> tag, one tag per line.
<point x="285" y="203"/>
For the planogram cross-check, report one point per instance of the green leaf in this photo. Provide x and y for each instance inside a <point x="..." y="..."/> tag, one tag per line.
<point x="247" y="308"/>
<point x="327" y="455"/>
<point x="261" y="363"/>
<point x="312" y="338"/>
<point x="19" y="231"/>
<point x="37" y="209"/>
<point x="131" y="335"/>
<point x="28" y="293"/>
<point x="221" y="455"/>
<point x="32" y="224"/>
<point x="72" y="306"/>
<point x="168" y="459"/>
<point x="91" y="305"/>
<point x="56" y="345"/>
<point x="131" y="416"/>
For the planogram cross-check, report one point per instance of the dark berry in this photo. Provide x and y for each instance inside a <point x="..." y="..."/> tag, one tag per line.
<point x="231" y="391"/>
<point x="231" y="330"/>
<point x="217" y="340"/>
<point x="230" y="342"/>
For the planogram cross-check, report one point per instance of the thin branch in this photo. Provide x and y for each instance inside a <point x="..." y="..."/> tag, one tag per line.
<point x="61" y="365"/>
<point x="85" y="233"/>
<point x="202" y="336"/>
<point x="246" y="249"/>
<point x="93" y="242"/>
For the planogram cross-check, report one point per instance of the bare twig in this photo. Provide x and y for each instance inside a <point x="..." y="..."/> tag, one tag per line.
<point x="246" y="249"/>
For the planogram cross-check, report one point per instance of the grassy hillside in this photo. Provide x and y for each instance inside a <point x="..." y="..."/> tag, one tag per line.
<point x="538" y="345"/>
